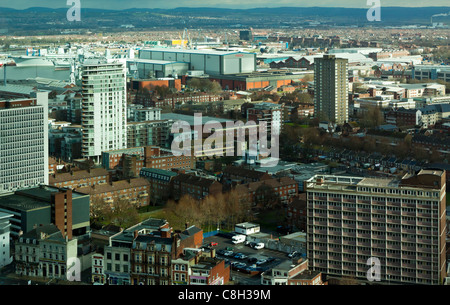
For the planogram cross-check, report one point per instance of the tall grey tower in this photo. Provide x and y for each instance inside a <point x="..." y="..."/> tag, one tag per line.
<point x="331" y="89"/>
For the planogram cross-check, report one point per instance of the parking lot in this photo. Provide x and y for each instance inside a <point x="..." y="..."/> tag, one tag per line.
<point x="254" y="261"/>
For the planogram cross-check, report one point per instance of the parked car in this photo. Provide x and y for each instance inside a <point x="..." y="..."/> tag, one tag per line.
<point x="213" y="244"/>
<point x="258" y="246"/>
<point x="271" y="259"/>
<point x="243" y="256"/>
<point x="238" y="255"/>
<point x="221" y="252"/>
<point x="261" y="262"/>
<point x="252" y="260"/>
<point x="251" y="244"/>
<point x="293" y="254"/>
<point x="228" y="253"/>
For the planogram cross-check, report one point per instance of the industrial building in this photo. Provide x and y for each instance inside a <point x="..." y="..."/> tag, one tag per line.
<point x="211" y="62"/>
<point x="150" y="68"/>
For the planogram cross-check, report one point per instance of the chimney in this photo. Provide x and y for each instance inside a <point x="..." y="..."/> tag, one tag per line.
<point x="166" y="233"/>
<point x="135" y="234"/>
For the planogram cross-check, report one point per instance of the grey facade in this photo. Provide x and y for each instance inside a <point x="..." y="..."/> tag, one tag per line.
<point x="331" y="89"/>
<point x="210" y="61"/>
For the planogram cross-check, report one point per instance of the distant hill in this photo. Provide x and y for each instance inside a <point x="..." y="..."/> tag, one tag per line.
<point x="53" y="20"/>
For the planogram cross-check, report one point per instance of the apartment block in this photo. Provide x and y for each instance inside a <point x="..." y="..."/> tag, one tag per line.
<point x="104" y="113"/>
<point x="138" y="113"/>
<point x="270" y="113"/>
<point x="135" y="191"/>
<point x="161" y="184"/>
<point x="149" y="133"/>
<point x="331" y="89"/>
<point x="195" y="186"/>
<point x="129" y="162"/>
<point x="80" y="178"/>
<point x="282" y="189"/>
<point x="399" y="221"/>
<point x="24" y="145"/>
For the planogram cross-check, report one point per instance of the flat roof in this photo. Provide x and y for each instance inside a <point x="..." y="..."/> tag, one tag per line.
<point x="190" y="118"/>
<point x="192" y="51"/>
<point x="155" y="61"/>
<point x="22" y="203"/>
<point x="45" y="192"/>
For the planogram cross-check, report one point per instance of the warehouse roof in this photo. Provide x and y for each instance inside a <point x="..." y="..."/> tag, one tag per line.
<point x="193" y="51"/>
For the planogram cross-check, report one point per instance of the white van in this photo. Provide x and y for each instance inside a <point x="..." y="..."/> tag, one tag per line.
<point x="237" y="239"/>
<point x="258" y="246"/>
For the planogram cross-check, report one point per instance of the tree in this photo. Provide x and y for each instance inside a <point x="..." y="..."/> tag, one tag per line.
<point x="162" y="91"/>
<point x="266" y="197"/>
<point x="372" y="118"/>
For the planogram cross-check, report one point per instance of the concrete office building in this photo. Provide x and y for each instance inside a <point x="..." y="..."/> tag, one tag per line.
<point x="24" y="143"/>
<point x="43" y="205"/>
<point x="399" y="221"/>
<point x="331" y="89"/>
<point x="104" y="112"/>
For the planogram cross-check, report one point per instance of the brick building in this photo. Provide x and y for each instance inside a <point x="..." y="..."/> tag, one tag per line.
<point x="129" y="162"/>
<point x="135" y="191"/>
<point x="80" y="178"/>
<point x="242" y="175"/>
<point x="283" y="190"/>
<point x="291" y="273"/>
<point x="161" y="184"/>
<point x="209" y="271"/>
<point x="152" y="254"/>
<point x="195" y="186"/>
<point x="296" y="213"/>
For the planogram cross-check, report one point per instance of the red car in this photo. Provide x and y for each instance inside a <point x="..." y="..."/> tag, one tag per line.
<point x="212" y="244"/>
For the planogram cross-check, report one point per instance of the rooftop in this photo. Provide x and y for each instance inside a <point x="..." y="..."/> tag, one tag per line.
<point x="202" y="51"/>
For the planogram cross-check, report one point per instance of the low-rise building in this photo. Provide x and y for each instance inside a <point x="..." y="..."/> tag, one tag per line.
<point x="5" y="256"/>
<point x="160" y="183"/>
<point x="209" y="271"/>
<point x="195" y="186"/>
<point x="44" y="252"/>
<point x="135" y="191"/>
<point x="283" y="272"/>
<point x="80" y="178"/>
<point x="44" y="205"/>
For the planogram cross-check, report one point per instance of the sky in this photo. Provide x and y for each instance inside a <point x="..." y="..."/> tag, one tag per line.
<point x="121" y="4"/>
